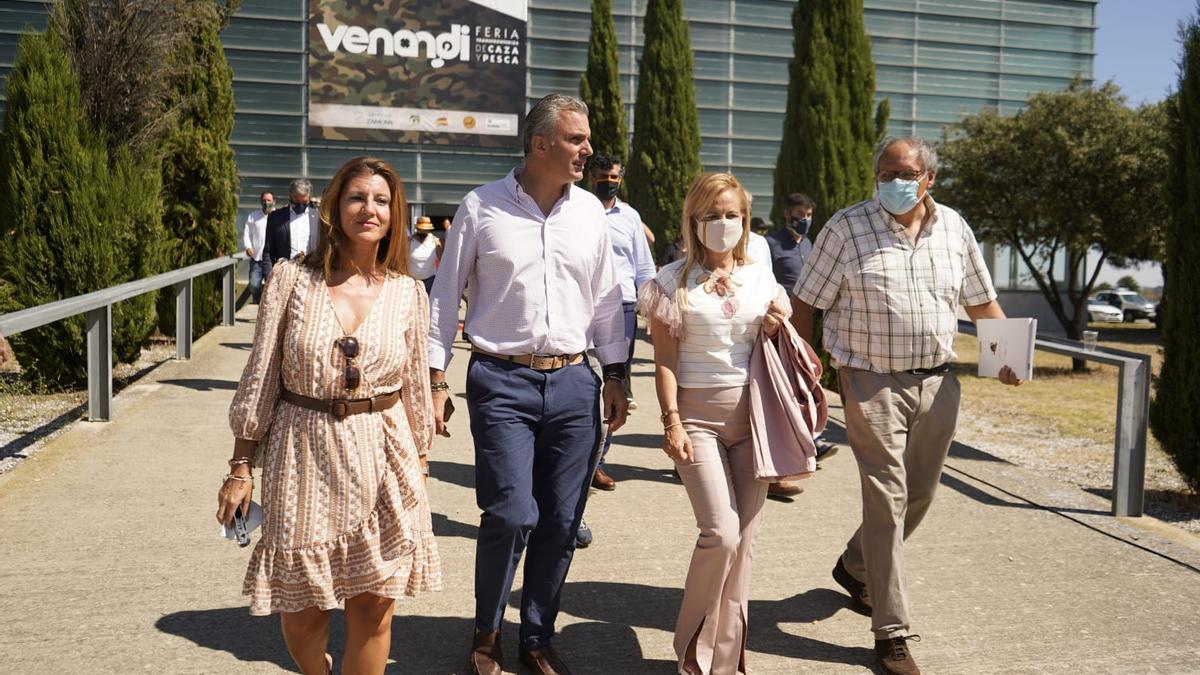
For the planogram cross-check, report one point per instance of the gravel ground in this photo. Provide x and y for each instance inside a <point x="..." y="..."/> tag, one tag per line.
<point x="1080" y="462"/>
<point x="29" y="418"/>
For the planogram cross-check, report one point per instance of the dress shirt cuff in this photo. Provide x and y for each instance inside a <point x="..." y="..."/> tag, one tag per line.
<point x="439" y="356"/>
<point x="614" y="353"/>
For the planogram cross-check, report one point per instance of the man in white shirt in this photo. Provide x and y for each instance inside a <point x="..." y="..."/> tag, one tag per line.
<point x="633" y="261"/>
<point x="535" y="251"/>
<point x="253" y="234"/>
<point x="292" y="231"/>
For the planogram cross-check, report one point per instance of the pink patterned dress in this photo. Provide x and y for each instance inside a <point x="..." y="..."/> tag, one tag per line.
<point x="344" y="507"/>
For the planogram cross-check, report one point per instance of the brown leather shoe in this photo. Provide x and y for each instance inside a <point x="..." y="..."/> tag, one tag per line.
<point x="544" y="661"/>
<point x="859" y="600"/>
<point x="485" y="657"/>
<point x="894" y="656"/>
<point x="602" y="481"/>
<point x="782" y="490"/>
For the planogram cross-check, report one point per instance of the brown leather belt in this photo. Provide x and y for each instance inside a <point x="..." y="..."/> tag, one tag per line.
<point x="535" y="361"/>
<point x="341" y="407"/>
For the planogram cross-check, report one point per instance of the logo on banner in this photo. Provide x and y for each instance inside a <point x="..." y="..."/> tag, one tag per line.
<point x="494" y="45"/>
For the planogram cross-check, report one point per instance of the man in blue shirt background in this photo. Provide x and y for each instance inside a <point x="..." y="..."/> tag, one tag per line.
<point x="632" y="259"/>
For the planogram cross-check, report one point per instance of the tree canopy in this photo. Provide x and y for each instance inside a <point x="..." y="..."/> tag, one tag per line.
<point x="831" y="123"/>
<point x="665" y="157"/>
<point x="1076" y="171"/>
<point x="600" y="84"/>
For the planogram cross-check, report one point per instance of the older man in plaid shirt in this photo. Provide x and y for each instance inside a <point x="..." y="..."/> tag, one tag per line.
<point x="890" y="274"/>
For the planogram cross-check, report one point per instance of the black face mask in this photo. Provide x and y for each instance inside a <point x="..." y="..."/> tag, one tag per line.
<point x="298" y="207"/>
<point x="605" y="189"/>
<point x="799" y="225"/>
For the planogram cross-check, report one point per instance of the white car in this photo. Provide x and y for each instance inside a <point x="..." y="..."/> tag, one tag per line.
<point x="1100" y="311"/>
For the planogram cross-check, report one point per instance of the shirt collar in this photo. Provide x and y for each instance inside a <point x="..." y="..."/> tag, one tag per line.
<point x="522" y="197"/>
<point x="931" y="215"/>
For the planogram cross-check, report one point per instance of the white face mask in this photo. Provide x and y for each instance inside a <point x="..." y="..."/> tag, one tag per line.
<point x="721" y="234"/>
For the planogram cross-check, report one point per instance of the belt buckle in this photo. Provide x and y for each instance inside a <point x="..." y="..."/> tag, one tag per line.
<point x="339" y="407"/>
<point x="542" y="362"/>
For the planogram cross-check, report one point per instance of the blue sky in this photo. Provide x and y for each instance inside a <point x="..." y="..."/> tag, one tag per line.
<point x="1137" y="46"/>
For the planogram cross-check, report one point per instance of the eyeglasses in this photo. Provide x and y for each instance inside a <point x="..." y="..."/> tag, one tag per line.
<point x="889" y="176"/>
<point x="349" y="347"/>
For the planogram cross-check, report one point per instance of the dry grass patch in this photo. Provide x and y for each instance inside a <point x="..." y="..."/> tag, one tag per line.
<point x="1063" y="423"/>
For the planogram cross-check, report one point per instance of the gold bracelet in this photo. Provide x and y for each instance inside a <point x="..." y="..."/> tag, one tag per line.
<point x="675" y="424"/>
<point x="668" y="413"/>
<point x="240" y="460"/>
<point x="439" y="386"/>
<point x="244" y="479"/>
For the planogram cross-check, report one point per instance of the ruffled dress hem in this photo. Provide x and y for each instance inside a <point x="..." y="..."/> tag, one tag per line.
<point x="379" y="557"/>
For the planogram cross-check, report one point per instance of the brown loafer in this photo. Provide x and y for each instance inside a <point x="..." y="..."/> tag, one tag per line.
<point x="894" y="656"/>
<point x="485" y="657"/>
<point x="602" y="481"/>
<point x="783" y="490"/>
<point x="859" y="600"/>
<point x="544" y="661"/>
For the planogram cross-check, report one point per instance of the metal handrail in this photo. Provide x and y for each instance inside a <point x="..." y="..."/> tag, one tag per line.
<point x="97" y="308"/>
<point x="1133" y="414"/>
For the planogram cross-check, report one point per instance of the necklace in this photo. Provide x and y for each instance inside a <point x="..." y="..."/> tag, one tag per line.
<point x="723" y="285"/>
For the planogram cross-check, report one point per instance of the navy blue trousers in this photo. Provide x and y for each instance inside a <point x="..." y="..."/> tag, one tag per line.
<point x="536" y="434"/>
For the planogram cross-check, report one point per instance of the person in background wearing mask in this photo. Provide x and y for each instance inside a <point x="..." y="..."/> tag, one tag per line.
<point x="789" y="245"/>
<point x="898" y="250"/>
<point x="424" y="252"/>
<point x="706" y="311"/>
<point x="634" y="265"/>
<point x="293" y="230"/>
<point x="253" y="234"/>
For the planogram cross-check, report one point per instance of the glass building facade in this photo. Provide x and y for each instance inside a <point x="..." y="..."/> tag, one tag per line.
<point x="936" y="60"/>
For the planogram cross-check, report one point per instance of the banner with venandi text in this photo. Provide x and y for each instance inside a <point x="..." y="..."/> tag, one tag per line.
<point x="445" y="72"/>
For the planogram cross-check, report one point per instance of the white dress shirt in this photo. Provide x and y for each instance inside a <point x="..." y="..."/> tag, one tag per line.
<point x="254" y="231"/>
<point x="631" y="250"/>
<point x="538" y="284"/>
<point x="304" y="230"/>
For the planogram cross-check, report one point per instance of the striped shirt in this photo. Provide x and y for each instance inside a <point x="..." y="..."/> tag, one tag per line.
<point x="715" y="349"/>
<point x="538" y="284"/>
<point x="892" y="306"/>
<point x="631" y="252"/>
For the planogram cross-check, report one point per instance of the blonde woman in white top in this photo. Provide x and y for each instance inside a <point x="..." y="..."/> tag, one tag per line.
<point x="706" y="311"/>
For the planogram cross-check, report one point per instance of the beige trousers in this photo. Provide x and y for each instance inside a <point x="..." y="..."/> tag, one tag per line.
<point x="900" y="428"/>
<point x="727" y="502"/>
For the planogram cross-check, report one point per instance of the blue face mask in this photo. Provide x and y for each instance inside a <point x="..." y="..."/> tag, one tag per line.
<point x="899" y="196"/>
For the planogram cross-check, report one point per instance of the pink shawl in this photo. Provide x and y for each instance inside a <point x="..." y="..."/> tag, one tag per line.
<point x="787" y="406"/>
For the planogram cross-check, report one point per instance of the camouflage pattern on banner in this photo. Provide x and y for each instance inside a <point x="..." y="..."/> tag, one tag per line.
<point x="442" y="72"/>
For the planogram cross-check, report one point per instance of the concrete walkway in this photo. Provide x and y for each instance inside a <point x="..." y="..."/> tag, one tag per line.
<point x="109" y="561"/>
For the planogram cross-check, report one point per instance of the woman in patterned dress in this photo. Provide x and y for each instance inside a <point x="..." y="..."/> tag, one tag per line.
<point x="336" y="392"/>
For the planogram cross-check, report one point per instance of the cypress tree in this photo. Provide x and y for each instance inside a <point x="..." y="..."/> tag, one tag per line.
<point x="199" y="176"/>
<point x="831" y="124"/>
<point x="665" y="157"/>
<point x="52" y="178"/>
<point x="600" y="85"/>
<point x="1175" y="410"/>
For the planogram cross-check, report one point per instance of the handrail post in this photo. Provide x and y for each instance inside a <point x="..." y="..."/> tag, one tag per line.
<point x="1129" y="458"/>
<point x="183" y="320"/>
<point x="99" y="363"/>
<point x="229" y="302"/>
